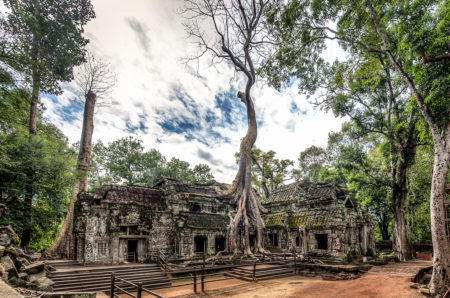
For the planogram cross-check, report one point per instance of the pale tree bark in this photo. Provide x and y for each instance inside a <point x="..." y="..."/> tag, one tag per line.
<point x="440" y="280"/>
<point x="63" y="247"/>
<point x="95" y="79"/>
<point x="241" y="39"/>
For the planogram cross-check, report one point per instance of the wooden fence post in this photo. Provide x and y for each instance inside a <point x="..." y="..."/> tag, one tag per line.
<point x="139" y="290"/>
<point x="264" y="256"/>
<point x="203" y="274"/>
<point x="112" y="285"/>
<point x="195" y="282"/>
<point x="254" y="271"/>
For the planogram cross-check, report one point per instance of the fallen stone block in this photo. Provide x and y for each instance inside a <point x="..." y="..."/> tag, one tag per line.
<point x="9" y="266"/>
<point x="8" y="237"/>
<point x="44" y="284"/>
<point x="37" y="276"/>
<point x="34" y="267"/>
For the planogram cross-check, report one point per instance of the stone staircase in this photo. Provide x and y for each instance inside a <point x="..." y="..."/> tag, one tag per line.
<point x="263" y="271"/>
<point x="98" y="279"/>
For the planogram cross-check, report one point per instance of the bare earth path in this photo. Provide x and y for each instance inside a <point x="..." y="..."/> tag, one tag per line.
<point x="392" y="280"/>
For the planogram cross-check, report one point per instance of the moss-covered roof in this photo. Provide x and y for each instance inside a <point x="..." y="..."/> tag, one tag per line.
<point x="311" y="218"/>
<point x="306" y="191"/>
<point x="118" y="194"/>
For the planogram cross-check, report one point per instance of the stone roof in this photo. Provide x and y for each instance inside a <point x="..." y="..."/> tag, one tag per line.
<point x="306" y="191"/>
<point x="118" y="194"/>
<point x="205" y="220"/>
<point x="212" y="189"/>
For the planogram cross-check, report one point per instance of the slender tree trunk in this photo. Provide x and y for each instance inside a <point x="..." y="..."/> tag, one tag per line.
<point x="383" y="225"/>
<point x="63" y="247"/>
<point x="440" y="280"/>
<point x="400" y="244"/>
<point x="29" y="189"/>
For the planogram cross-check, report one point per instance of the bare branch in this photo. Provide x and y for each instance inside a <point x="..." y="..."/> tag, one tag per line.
<point x="95" y="76"/>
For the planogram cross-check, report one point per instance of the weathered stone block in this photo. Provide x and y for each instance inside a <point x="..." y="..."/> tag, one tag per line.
<point x="8" y="237"/>
<point x="34" y="268"/>
<point x="9" y="266"/>
<point x="37" y="276"/>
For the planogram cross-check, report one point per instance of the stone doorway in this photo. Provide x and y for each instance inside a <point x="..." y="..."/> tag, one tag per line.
<point x="132" y="251"/>
<point x="220" y="243"/>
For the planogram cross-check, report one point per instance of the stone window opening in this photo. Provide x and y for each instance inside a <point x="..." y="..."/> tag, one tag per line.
<point x="220" y="243"/>
<point x="273" y="239"/>
<point x="200" y="243"/>
<point x="322" y="241"/>
<point x="101" y="248"/>
<point x="196" y="207"/>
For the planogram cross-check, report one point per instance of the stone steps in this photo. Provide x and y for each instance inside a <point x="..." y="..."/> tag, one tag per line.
<point x="99" y="278"/>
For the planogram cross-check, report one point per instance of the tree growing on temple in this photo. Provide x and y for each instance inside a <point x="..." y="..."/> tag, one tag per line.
<point x="239" y="38"/>
<point x="95" y="80"/>
<point x="43" y="40"/>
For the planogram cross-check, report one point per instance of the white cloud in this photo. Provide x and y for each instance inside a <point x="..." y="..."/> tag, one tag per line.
<point x="144" y="42"/>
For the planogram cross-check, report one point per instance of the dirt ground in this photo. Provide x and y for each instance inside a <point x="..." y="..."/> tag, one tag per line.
<point x="391" y="280"/>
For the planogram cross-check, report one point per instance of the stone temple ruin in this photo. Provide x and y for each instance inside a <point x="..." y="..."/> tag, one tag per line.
<point x="320" y="219"/>
<point x="118" y="224"/>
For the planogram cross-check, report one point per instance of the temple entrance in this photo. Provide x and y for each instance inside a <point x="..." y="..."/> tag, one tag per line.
<point x="131" y="255"/>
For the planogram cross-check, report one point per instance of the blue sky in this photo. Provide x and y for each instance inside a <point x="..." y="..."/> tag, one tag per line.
<point x="194" y="116"/>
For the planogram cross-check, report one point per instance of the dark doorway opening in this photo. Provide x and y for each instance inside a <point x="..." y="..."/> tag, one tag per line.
<point x="297" y="241"/>
<point x="252" y="240"/>
<point x="220" y="244"/>
<point x="322" y="241"/>
<point x="200" y="243"/>
<point x="273" y="239"/>
<point x="132" y="251"/>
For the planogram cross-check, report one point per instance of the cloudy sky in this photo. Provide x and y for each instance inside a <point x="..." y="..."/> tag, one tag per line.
<point x="192" y="116"/>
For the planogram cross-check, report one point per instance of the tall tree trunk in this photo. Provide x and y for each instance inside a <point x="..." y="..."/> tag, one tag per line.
<point x="29" y="189"/>
<point x="400" y="244"/>
<point x="63" y="247"/>
<point x="248" y="205"/>
<point x="383" y="225"/>
<point x="440" y="280"/>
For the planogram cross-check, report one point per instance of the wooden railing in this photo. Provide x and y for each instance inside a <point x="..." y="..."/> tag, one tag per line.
<point x="114" y="289"/>
<point x="198" y="276"/>
<point x="162" y="259"/>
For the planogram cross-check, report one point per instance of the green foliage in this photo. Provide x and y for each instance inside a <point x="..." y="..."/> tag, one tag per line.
<point x="52" y="163"/>
<point x="43" y="39"/>
<point x="125" y="161"/>
<point x="268" y="172"/>
<point x="418" y="205"/>
<point x="311" y="162"/>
